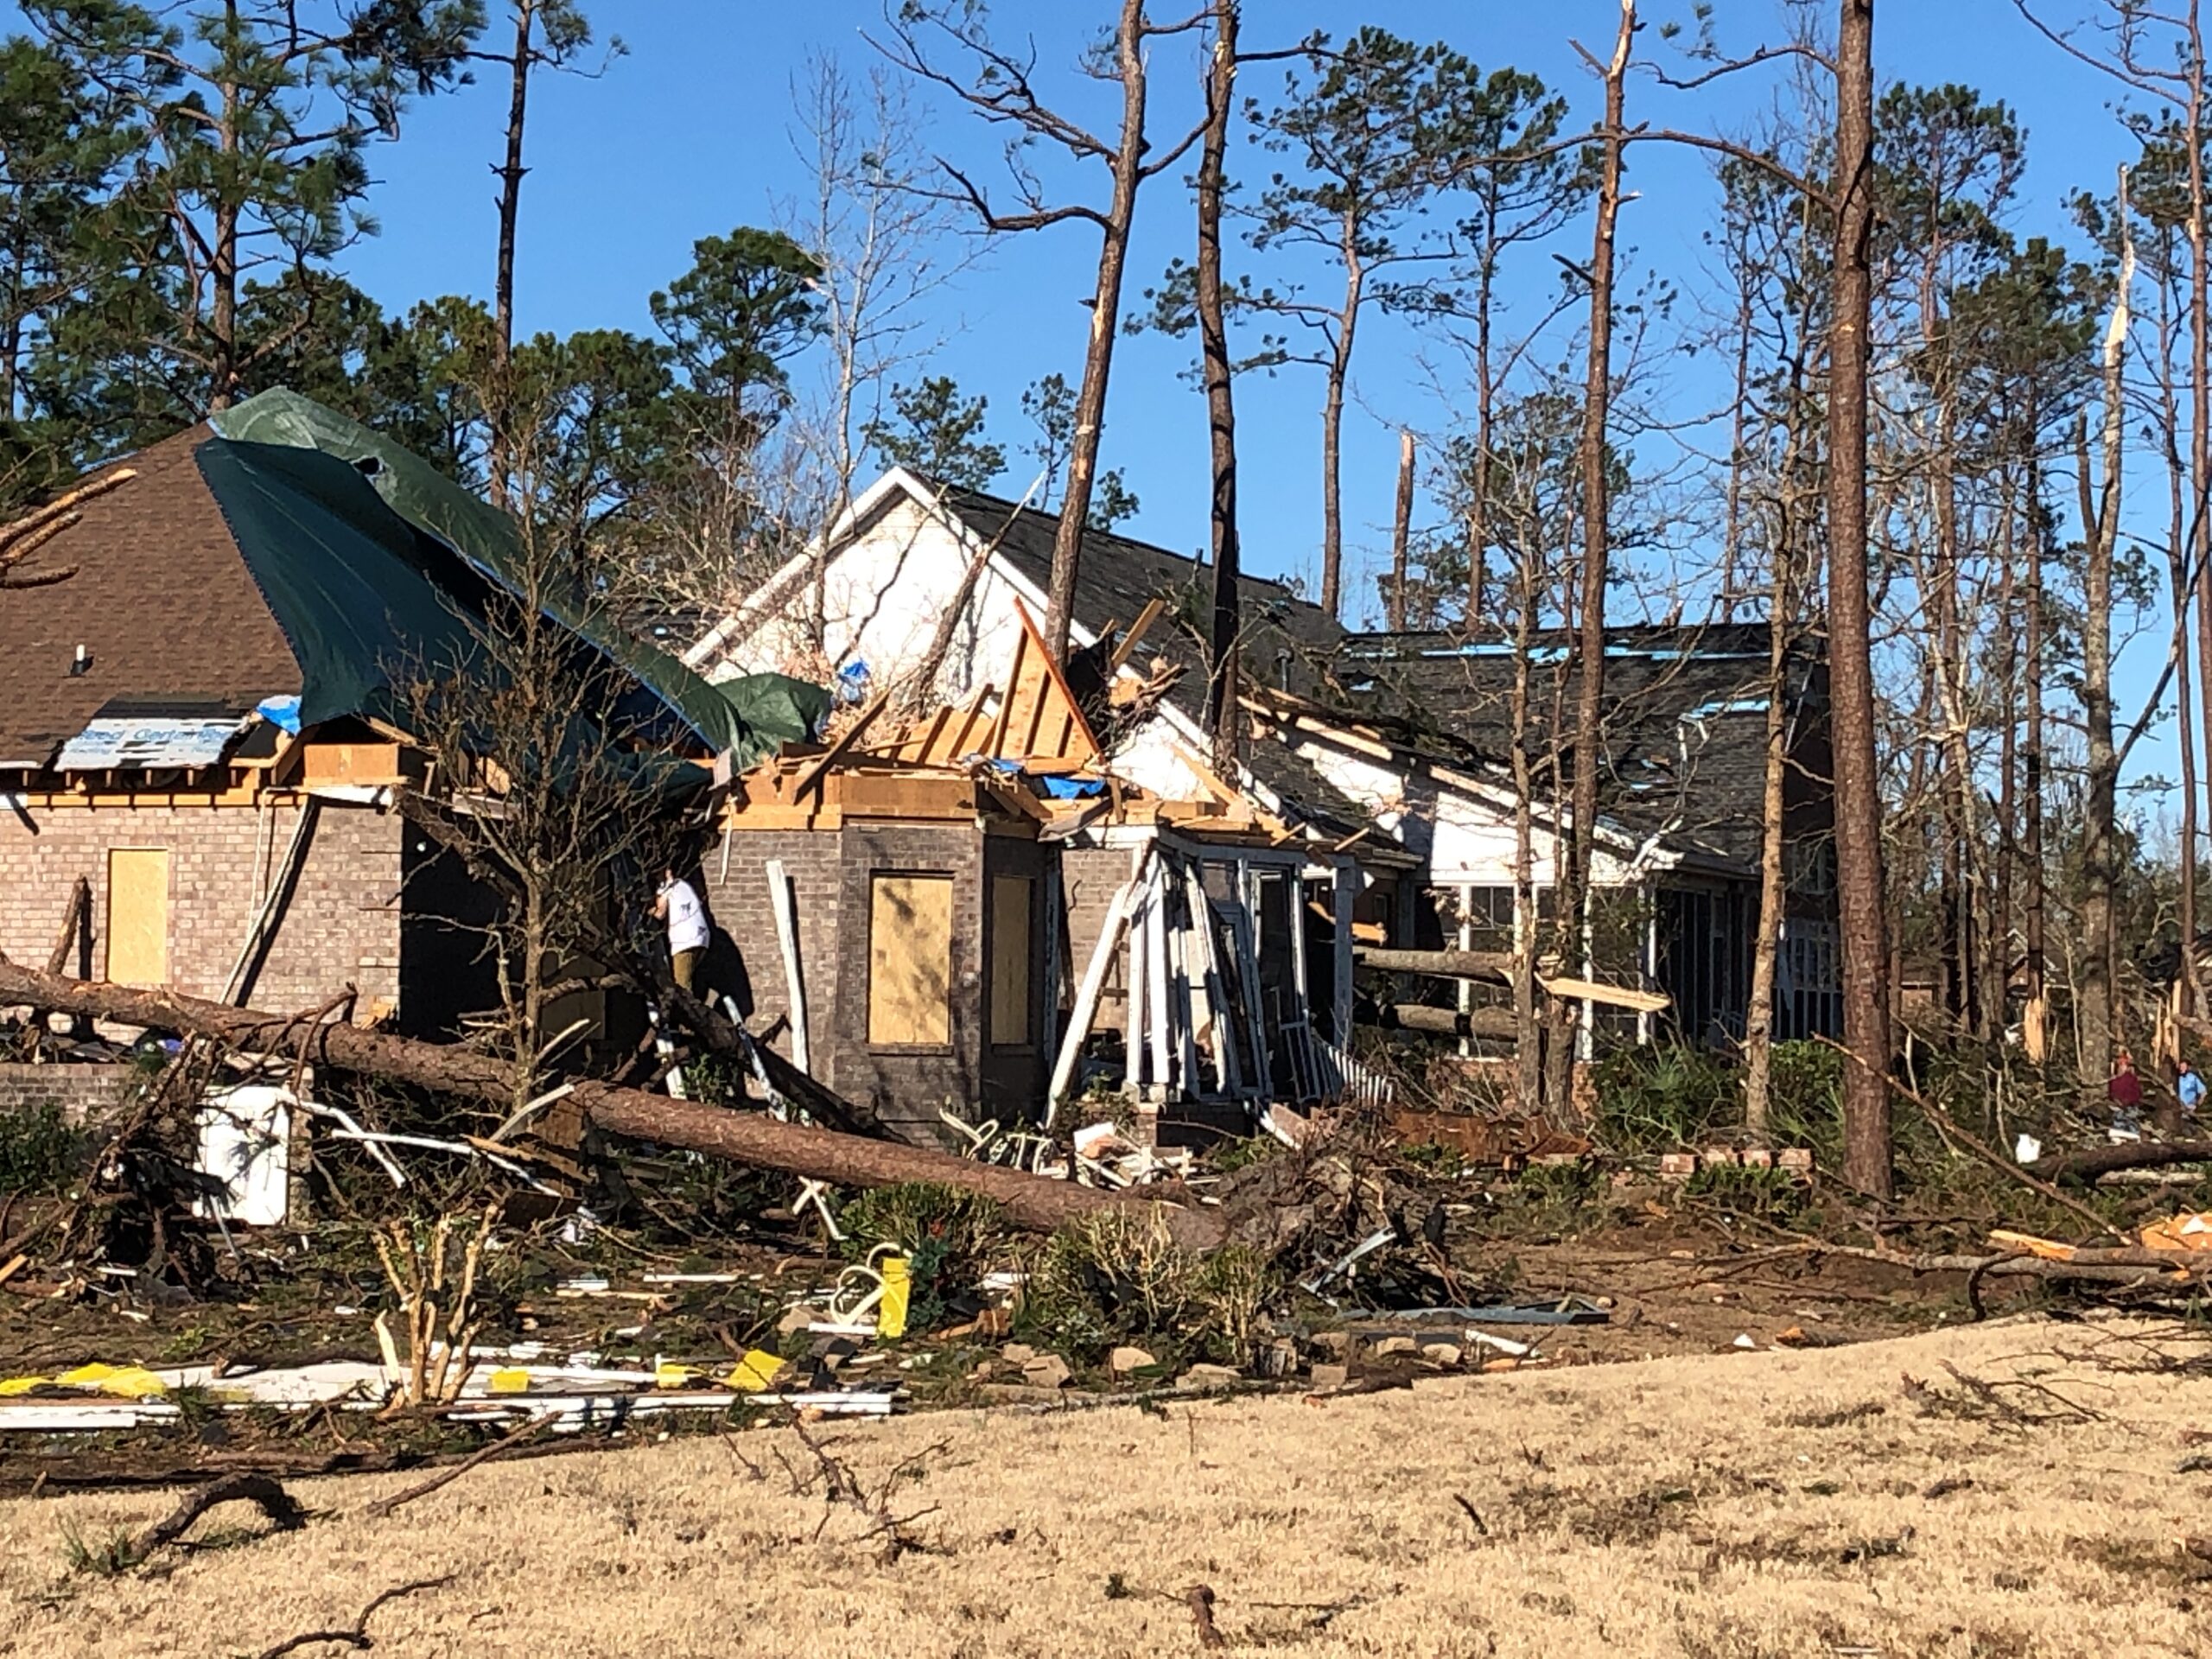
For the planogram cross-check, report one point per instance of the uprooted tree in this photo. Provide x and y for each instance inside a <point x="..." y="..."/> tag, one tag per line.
<point x="1032" y="1202"/>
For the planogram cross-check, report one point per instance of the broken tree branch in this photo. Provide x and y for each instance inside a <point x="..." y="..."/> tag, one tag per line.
<point x="1031" y="1202"/>
<point x="355" y="1636"/>
<point x="284" y="1513"/>
<point x="498" y="1448"/>
<point x="2085" y="1164"/>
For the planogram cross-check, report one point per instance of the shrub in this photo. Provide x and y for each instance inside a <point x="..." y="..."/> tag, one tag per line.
<point x="950" y="1239"/>
<point x="40" y="1151"/>
<point x="1118" y="1275"/>
<point x="1654" y="1099"/>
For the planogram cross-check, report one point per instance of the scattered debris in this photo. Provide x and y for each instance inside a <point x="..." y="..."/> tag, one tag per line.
<point x="355" y="1635"/>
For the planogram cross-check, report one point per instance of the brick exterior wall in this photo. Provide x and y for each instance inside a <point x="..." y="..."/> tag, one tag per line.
<point x="1090" y="877"/>
<point x="340" y="925"/>
<point x="831" y="871"/>
<point x="738" y="905"/>
<point x="908" y="1087"/>
<point x="86" y="1094"/>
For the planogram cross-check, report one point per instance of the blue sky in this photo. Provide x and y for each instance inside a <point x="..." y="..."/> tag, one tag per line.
<point x="689" y="134"/>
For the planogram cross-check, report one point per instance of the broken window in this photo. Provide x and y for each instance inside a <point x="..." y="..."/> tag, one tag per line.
<point x="1013" y="921"/>
<point x="138" y="916"/>
<point x="910" y="961"/>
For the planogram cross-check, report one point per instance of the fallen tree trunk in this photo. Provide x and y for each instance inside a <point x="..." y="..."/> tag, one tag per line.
<point x="1488" y="966"/>
<point x="2086" y="1163"/>
<point x="1445" y="1022"/>
<point x="1032" y="1202"/>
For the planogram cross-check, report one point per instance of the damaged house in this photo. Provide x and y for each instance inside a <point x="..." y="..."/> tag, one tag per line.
<point x="976" y="915"/>
<point x="196" y="720"/>
<point x="1391" y="751"/>
<point x="1419" y="728"/>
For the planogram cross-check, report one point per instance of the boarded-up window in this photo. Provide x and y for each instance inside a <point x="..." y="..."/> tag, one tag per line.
<point x="1012" y="961"/>
<point x="138" y="916"/>
<point x="910" y="960"/>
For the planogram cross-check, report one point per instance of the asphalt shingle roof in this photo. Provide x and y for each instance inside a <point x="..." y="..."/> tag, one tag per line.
<point x="160" y="599"/>
<point x="1685" y="716"/>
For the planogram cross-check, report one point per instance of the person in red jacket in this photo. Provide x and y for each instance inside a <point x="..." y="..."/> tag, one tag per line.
<point x="2125" y="1093"/>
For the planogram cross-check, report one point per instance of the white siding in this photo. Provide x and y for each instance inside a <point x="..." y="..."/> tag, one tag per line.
<point x="884" y="593"/>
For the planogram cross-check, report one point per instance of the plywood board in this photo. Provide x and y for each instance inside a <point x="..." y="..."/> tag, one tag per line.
<point x="1013" y="930"/>
<point x="910" y="961"/>
<point x="138" y="916"/>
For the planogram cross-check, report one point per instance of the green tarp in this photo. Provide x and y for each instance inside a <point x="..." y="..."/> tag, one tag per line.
<point x="345" y="579"/>
<point x="747" y="717"/>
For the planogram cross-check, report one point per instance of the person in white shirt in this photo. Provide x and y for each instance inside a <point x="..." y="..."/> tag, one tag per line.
<point x="678" y="904"/>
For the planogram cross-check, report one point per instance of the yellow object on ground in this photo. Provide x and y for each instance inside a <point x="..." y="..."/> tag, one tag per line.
<point x="12" y="1386"/>
<point x="897" y="1286"/>
<point x="508" y="1379"/>
<point x="2186" y="1231"/>
<point x="126" y="1382"/>
<point x="758" y="1370"/>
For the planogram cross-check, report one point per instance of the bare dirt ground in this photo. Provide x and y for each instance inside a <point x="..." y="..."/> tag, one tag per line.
<point x="1855" y="1501"/>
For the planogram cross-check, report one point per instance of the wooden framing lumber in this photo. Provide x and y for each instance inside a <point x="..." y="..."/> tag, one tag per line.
<point x="1088" y="988"/>
<point x="838" y="750"/>
<point x="781" y="902"/>
<point x="1615" y="996"/>
<point x="1127" y="642"/>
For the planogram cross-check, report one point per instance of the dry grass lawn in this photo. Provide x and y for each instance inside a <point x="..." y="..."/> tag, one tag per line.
<point x="1732" y="1506"/>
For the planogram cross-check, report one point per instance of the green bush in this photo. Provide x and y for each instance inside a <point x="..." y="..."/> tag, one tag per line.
<point x="950" y="1239"/>
<point x="40" y="1151"/>
<point x="1769" y="1194"/>
<point x="1655" y="1099"/>
<point x="1805" y="1098"/>
<point x="1118" y="1276"/>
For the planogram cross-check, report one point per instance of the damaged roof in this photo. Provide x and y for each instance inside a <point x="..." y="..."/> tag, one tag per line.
<point x="162" y="604"/>
<point x="218" y="568"/>
<point x="1684" y="725"/>
<point x="1288" y="640"/>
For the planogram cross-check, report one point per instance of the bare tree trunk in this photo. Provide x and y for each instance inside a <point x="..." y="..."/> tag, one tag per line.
<point x="1485" y="401"/>
<point x="1957" y="782"/>
<point x="1221" y="408"/>
<point x="1997" y="933"/>
<point x="2098" y="831"/>
<point x="1402" y="528"/>
<point x="1758" y="1018"/>
<point x="1105" y="323"/>
<point x="502" y="281"/>
<point x="2178" y="582"/>
<point x="1576" y="882"/>
<point x="1333" y="428"/>
<point x="1528" y="1029"/>
<point x="1731" y="531"/>
<point x="1030" y="1201"/>
<point x="223" y="277"/>
<point x="2031" y="751"/>
<point x="1857" y="784"/>
<point x="2200" y="454"/>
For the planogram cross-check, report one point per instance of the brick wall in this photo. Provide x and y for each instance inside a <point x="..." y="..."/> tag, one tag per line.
<point x="908" y="1088"/>
<point x="739" y="905"/>
<point x="341" y="924"/>
<point x="86" y="1094"/>
<point x="830" y="871"/>
<point x="1090" y="877"/>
